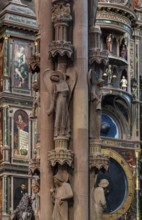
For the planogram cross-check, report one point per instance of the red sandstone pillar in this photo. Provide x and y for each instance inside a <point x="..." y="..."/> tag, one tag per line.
<point x="46" y="123"/>
<point x="80" y="111"/>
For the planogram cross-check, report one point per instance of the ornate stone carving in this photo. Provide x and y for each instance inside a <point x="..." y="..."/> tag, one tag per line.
<point x="35" y="64"/>
<point x="98" y="160"/>
<point x="61" y="194"/>
<point x="61" y="48"/>
<point x="98" y="57"/>
<point x="61" y="157"/>
<point x="132" y="59"/>
<point x="61" y="154"/>
<point x="134" y="88"/>
<point x="36" y="100"/>
<point x="34" y="164"/>
<point x="61" y="12"/>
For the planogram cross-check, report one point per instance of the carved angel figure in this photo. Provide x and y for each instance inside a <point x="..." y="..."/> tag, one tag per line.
<point x="61" y="91"/>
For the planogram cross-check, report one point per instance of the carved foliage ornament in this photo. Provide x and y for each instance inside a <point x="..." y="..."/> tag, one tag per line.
<point x="61" y="12"/>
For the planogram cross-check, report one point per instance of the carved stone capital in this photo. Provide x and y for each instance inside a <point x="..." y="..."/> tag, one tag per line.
<point x="61" y="143"/>
<point x="99" y="162"/>
<point x="97" y="159"/>
<point x="34" y="166"/>
<point x="35" y="63"/>
<point x="98" y="56"/>
<point x="61" y="48"/>
<point x="60" y="156"/>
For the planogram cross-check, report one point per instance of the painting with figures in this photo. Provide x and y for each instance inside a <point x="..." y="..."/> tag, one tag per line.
<point x="20" y="68"/>
<point x="21" y="133"/>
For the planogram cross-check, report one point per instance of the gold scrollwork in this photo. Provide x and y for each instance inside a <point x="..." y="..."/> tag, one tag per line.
<point x="131" y="188"/>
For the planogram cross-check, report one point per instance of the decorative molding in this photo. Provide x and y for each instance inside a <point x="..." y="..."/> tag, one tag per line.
<point x="115" y="17"/>
<point x="61" y="48"/>
<point x="60" y="156"/>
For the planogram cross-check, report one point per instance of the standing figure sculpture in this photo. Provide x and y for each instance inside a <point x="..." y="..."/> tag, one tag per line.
<point x="95" y="107"/>
<point x="99" y="200"/>
<point x="124" y="83"/>
<point x="60" y="103"/>
<point x="60" y="86"/>
<point x="109" y="43"/>
<point x="61" y="195"/>
<point x="36" y="199"/>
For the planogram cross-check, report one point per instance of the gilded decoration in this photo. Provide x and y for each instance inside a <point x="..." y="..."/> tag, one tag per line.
<point x="131" y="188"/>
<point x="124" y="2"/>
<point x="108" y="15"/>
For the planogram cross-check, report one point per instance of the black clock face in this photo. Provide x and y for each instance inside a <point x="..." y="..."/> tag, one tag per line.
<point x="117" y="190"/>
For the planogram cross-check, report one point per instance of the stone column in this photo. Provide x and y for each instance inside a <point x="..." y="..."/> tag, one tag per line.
<point x="80" y="111"/>
<point x="5" y="215"/>
<point x="6" y="147"/>
<point x="138" y="212"/>
<point x="6" y="78"/>
<point x="46" y="131"/>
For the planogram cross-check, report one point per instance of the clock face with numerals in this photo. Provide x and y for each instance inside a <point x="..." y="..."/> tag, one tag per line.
<point x="121" y="189"/>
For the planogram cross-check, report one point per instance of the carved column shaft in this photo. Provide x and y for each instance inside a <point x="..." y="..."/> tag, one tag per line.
<point x="138" y="213"/>
<point x="80" y="112"/>
<point x="46" y="130"/>
<point x="61" y="31"/>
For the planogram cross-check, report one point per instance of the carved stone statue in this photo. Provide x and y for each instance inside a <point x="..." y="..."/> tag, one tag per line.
<point x="134" y="87"/>
<point x="109" y="43"/>
<point x="61" y="195"/>
<point x="36" y="100"/>
<point x="36" y="199"/>
<point x="24" y="210"/>
<point x="60" y="105"/>
<point x="61" y="91"/>
<point x="95" y="107"/>
<point x="124" y="83"/>
<point x="99" y="200"/>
